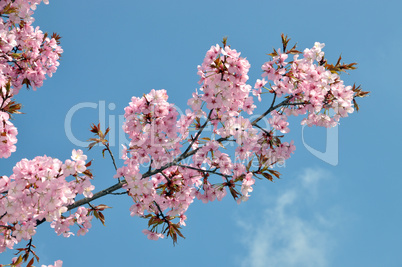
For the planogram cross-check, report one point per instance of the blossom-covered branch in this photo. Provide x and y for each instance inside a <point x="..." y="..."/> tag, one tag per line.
<point x="172" y="159"/>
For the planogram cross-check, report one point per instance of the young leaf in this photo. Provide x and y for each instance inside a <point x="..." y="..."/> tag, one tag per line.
<point x="102" y="207"/>
<point x="102" y="218"/>
<point x="30" y="262"/>
<point x="276" y="173"/>
<point x="268" y="176"/>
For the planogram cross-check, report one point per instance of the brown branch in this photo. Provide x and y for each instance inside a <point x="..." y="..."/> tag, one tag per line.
<point x="272" y="108"/>
<point x="111" y="155"/>
<point x="199" y="132"/>
<point x="175" y="162"/>
<point x="201" y="170"/>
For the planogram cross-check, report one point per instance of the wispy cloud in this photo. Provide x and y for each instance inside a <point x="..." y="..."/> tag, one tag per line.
<point x="295" y="229"/>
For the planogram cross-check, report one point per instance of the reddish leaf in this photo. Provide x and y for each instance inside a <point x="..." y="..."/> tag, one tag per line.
<point x="102" y="207"/>
<point x="30" y="262"/>
<point x="107" y="131"/>
<point x="276" y="173"/>
<point x="88" y="164"/>
<point x="102" y="218"/>
<point x="268" y="176"/>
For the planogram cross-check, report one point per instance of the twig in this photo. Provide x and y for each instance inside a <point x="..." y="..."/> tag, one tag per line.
<point x="283" y="103"/>
<point x="199" y="132"/>
<point x="111" y="155"/>
<point x="120" y="193"/>
<point x="167" y="178"/>
<point x="201" y="170"/>
<point x="262" y="129"/>
<point x="161" y="213"/>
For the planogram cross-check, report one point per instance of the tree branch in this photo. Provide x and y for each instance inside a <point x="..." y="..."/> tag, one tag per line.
<point x="175" y="162"/>
<point x="201" y="170"/>
<point x="199" y="132"/>
<point x="111" y="155"/>
<point x="283" y="103"/>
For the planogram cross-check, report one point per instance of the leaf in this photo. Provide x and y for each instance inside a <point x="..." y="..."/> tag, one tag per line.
<point x="356" y="106"/>
<point x="249" y="165"/>
<point x="285" y="41"/>
<point x="224" y="41"/>
<point x="180" y="234"/>
<point x="95" y="140"/>
<point x="102" y="218"/>
<point x="88" y="173"/>
<point x="107" y="131"/>
<point x="102" y="207"/>
<point x="273" y="54"/>
<point x="151" y="221"/>
<point x="91" y="145"/>
<point x="176" y="228"/>
<point x="8" y="9"/>
<point x="339" y="60"/>
<point x="276" y="173"/>
<point x="235" y="194"/>
<point x="30" y="262"/>
<point x="18" y="261"/>
<point x="221" y="145"/>
<point x="340" y="67"/>
<point x="359" y="92"/>
<point x="293" y="50"/>
<point x="13" y="107"/>
<point x="95" y="128"/>
<point x="147" y="216"/>
<point x="36" y="256"/>
<point x="26" y="255"/>
<point x="56" y="37"/>
<point x="26" y="82"/>
<point x="268" y="176"/>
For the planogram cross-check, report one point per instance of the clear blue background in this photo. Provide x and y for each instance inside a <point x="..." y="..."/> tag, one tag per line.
<point x="316" y="215"/>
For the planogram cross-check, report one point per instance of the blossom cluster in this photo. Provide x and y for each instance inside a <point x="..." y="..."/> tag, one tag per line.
<point x="27" y="55"/>
<point x="307" y="81"/>
<point x="8" y="135"/>
<point x="38" y="190"/>
<point x="223" y="77"/>
<point x="154" y="131"/>
<point x="151" y="124"/>
<point x="19" y="10"/>
<point x="176" y="174"/>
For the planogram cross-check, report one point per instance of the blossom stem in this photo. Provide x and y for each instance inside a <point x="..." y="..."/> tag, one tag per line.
<point x="201" y="170"/>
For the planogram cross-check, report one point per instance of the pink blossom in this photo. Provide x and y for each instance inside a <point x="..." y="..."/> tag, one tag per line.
<point x="57" y="263"/>
<point x="152" y="235"/>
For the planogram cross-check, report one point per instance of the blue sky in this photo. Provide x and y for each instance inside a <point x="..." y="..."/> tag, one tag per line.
<point x="316" y="215"/>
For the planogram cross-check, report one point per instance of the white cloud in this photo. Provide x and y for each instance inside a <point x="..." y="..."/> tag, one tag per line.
<point x="294" y="229"/>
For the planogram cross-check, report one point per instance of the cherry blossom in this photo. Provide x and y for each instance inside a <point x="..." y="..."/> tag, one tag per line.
<point x="27" y="55"/>
<point x="172" y="159"/>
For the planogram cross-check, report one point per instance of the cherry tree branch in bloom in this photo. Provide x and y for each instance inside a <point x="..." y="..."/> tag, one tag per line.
<point x="45" y="189"/>
<point x="220" y="67"/>
<point x="301" y="103"/>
